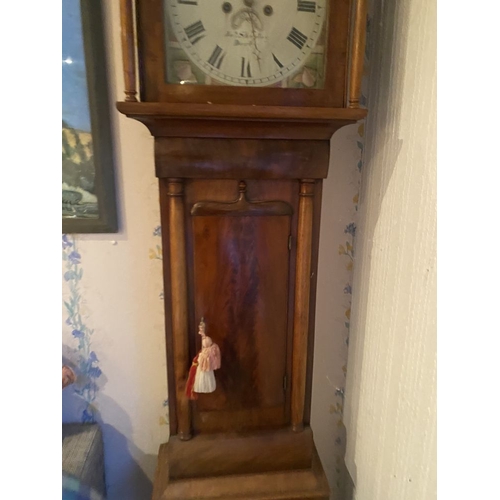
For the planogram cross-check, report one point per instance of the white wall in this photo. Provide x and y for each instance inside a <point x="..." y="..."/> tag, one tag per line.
<point x="391" y="394"/>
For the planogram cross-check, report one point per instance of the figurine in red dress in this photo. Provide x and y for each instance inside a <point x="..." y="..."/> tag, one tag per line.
<point x="201" y="377"/>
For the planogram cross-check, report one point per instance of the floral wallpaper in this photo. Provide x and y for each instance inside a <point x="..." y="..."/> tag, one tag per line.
<point x="156" y="254"/>
<point x="346" y="252"/>
<point x="85" y="361"/>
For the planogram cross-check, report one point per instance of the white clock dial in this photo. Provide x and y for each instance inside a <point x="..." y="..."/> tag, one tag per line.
<point x="247" y="42"/>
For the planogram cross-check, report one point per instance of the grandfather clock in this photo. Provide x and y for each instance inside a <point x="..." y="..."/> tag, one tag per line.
<point x="242" y="98"/>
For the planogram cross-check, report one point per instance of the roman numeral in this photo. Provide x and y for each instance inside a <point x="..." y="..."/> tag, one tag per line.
<point x="305" y="6"/>
<point x="277" y="61"/>
<point x="297" y="38"/>
<point x="216" y="58"/>
<point x="249" y="74"/>
<point x="187" y="2"/>
<point x="194" y="30"/>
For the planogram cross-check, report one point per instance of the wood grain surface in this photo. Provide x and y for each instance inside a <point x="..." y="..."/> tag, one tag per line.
<point x="302" y="302"/>
<point x="296" y="484"/>
<point x="358" y="42"/>
<point x="179" y="308"/>
<point x="128" y="49"/>
<point x="241" y="270"/>
<point x="222" y="454"/>
<point x="241" y="158"/>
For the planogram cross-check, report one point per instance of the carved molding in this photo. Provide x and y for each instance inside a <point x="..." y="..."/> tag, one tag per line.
<point x="242" y="206"/>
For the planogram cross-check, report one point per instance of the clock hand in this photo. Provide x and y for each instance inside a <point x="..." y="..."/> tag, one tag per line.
<point x="251" y="13"/>
<point x="247" y="13"/>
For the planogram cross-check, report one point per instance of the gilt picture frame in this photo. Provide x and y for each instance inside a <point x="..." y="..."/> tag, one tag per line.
<point x="88" y="187"/>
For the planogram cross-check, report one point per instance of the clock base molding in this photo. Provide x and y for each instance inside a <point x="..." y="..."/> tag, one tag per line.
<point x="224" y="454"/>
<point x="297" y="482"/>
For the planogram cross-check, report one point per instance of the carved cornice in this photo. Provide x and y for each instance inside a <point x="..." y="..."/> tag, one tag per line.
<point x="240" y="121"/>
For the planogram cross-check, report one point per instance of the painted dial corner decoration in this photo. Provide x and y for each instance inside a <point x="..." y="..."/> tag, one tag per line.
<point x="253" y="43"/>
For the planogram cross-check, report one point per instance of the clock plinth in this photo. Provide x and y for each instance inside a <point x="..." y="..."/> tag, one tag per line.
<point x="254" y="467"/>
<point x="223" y="454"/>
<point x="240" y="172"/>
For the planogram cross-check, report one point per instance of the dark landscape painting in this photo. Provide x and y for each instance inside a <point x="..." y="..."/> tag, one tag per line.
<point x="79" y="198"/>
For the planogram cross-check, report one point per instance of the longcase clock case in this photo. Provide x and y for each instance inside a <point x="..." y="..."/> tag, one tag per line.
<point x="240" y="174"/>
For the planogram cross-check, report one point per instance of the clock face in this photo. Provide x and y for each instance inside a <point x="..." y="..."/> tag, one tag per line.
<point x="252" y="43"/>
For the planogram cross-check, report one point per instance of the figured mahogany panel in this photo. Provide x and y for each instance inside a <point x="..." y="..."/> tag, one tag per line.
<point x="248" y="158"/>
<point x="240" y="285"/>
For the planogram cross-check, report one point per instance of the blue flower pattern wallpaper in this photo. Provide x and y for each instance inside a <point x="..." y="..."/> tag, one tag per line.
<point x="346" y="254"/>
<point x="86" y="361"/>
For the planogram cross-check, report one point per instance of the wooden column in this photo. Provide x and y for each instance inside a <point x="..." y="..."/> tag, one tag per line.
<point x="128" y="49"/>
<point x="301" y="306"/>
<point x="357" y="53"/>
<point x="179" y="298"/>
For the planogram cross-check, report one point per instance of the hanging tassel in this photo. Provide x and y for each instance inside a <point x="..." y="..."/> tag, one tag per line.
<point x="191" y="378"/>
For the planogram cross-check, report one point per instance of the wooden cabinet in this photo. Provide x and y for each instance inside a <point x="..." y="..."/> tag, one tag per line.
<point x="240" y="168"/>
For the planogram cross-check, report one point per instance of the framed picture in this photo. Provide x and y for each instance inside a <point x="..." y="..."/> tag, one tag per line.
<point x="88" y="185"/>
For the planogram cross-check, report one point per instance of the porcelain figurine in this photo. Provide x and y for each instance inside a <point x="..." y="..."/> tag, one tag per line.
<point x="201" y="377"/>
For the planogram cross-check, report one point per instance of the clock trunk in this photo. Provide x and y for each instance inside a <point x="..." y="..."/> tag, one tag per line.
<point x="234" y="253"/>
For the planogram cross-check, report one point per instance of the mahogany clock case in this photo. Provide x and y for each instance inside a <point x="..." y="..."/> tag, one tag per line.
<point x="251" y="251"/>
<point x="240" y="172"/>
